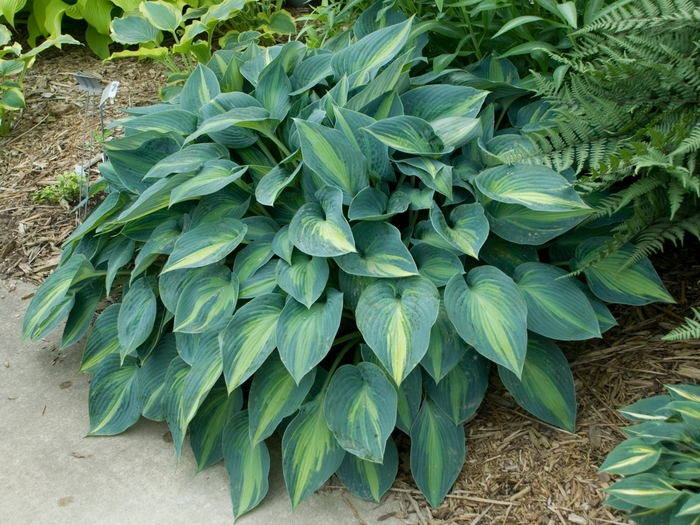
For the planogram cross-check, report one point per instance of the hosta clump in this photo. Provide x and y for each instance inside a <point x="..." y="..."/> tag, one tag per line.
<point x="659" y="461"/>
<point x="324" y="240"/>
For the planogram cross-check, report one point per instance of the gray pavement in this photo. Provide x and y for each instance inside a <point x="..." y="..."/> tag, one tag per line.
<point x="51" y="474"/>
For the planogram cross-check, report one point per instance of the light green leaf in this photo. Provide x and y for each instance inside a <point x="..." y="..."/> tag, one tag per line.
<point x="306" y="334"/>
<point x="273" y="91"/>
<point x="445" y="349"/>
<point x="133" y="29"/>
<point x="332" y="157"/>
<point x="376" y="153"/>
<point x="282" y="245"/>
<point x="321" y="230"/>
<point x="360" y="407"/>
<point x="460" y="392"/>
<point x="310" y="452"/>
<point x="253" y="257"/>
<point x="260" y="283"/>
<point x="546" y="386"/>
<point x="113" y="402"/>
<point x="281" y="22"/>
<point x="274" y="395"/>
<point x="470" y="227"/>
<point x="631" y="457"/>
<point x="103" y="339"/>
<point x="611" y="280"/>
<point x="8" y="9"/>
<point x="155" y="198"/>
<point x="556" y="307"/>
<point x="436" y="264"/>
<point x="437" y="452"/>
<point x="489" y="312"/>
<point x="304" y="279"/>
<point x="222" y="11"/>
<point x="368" y="480"/>
<point x="163" y="15"/>
<point x="152" y="378"/>
<point x="535" y="187"/>
<point x="567" y="10"/>
<point x="249" y="338"/>
<point x="207" y="427"/>
<point x="207" y="298"/>
<point x="206" y="244"/>
<point x="248" y="465"/>
<point x="395" y="317"/>
<point x="439" y="101"/>
<point x="380" y="252"/>
<point x="516" y="22"/>
<point x="137" y="315"/>
<point x="409" y="135"/>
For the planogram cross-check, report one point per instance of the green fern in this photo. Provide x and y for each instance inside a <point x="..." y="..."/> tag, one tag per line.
<point x="690" y="330"/>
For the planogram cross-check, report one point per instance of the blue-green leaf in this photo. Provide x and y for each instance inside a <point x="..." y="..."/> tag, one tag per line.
<point x="304" y="279"/>
<point x="113" y="401"/>
<point x="136" y="315"/>
<point x="469" y="228"/>
<point x="368" y="480"/>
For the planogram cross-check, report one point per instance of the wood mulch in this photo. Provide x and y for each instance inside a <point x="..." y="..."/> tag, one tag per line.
<point x="518" y="470"/>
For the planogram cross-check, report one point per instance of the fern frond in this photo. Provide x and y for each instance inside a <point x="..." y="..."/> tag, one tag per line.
<point x="690" y="330"/>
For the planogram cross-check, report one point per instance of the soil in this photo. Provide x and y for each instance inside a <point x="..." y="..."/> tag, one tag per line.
<point x="518" y="470"/>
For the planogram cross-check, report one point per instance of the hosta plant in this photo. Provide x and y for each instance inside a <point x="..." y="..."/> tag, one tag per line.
<point x="320" y="242"/>
<point x="660" y="461"/>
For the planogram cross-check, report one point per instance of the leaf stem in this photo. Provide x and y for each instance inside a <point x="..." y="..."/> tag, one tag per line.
<point x="335" y="364"/>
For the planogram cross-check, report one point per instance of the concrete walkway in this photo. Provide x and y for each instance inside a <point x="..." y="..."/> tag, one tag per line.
<point x="51" y="474"/>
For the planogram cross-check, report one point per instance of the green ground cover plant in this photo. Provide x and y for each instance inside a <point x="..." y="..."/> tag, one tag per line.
<point x="326" y="243"/>
<point x="660" y="461"/>
<point x="66" y="188"/>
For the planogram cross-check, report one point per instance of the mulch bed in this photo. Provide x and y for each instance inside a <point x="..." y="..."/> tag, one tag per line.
<point x="518" y="470"/>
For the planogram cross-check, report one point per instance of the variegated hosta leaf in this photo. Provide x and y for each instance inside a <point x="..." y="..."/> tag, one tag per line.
<point x="282" y="245"/>
<point x="535" y="187"/>
<point x="218" y="126"/>
<point x="437" y="452"/>
<point x="175" y="120"/>
<point x="113" y="401"/>
<point x="689" y="410"/>
<point x="51" y="295"/>
<point x="490" y="313"/>
<point x="272" y="184"/>
<point x="208" y="297"/>
<point x="206" y="370"/>
<point x="438" y="101"/>
<point x="214" y="175"/>
<point x="436" y="264"/>
<point x="81" y="315"/>
<point x="395" y="317"/>
<point x="446" y="347"/>
<point x="152" y="378"/>
<point x="206" y="244"/>
<point x="249" y="338"/>
<point x="133" y="29"/>
<point x="310" y="452"/>
<point x="173" y="402"/>
<point x="154" y="198"/>
<point x="306" y="334"/>
<point x="686" y="392"/>
<point x="162" y="15"/>
<point x="521" y="225"/>
<point x="161" y="242"/>
<point x="409" y="394"/>
<point x="556" y="307"/>
<point x="368" y="480"/>
<point x="192" y="158"/>
<point x="546" y="386"/>
<point x="333" y="158"/>
<point x="432" y="173"/>
<point x="201" y="86"/>
<point x="369" y="205"/>
<point x="687" y="470"/>
<point x="631" y="457"/>
<point x="360" y="406"/>
<point x="103" y="339"/>
<point x="273" y="91"/>
<point x="207" y="427"/>
<point x="613" y="280"/>
<point x="691" y="510"/>
<point x="460" y="392"/>
<point x="248" y="465"/>
<point x="373" y="51"/>
<point x="172" y="284"/>
<point x="262" y="282"/>
<point x="408" y="134"/>
<point x="469" y="228"/>
<point x="253" y="257"/>
<point x="380" y="252"/>
<point x="320" y="229"/>
<point x="304" y="279"/>
<point x="652" y="491"/>
<point x="274" y="394"/>
<point x="376" y="153"/>
<point x="455" y="132"/>
<point x="137" y="315"/>
<point x="505" y="255"/>
<point x="647" y="409"/>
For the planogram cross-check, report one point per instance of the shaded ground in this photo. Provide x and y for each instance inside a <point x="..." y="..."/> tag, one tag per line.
<point x="518" y="470"/>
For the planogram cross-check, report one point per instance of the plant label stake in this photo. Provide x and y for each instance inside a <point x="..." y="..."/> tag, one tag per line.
<point x="92" y="87"/>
